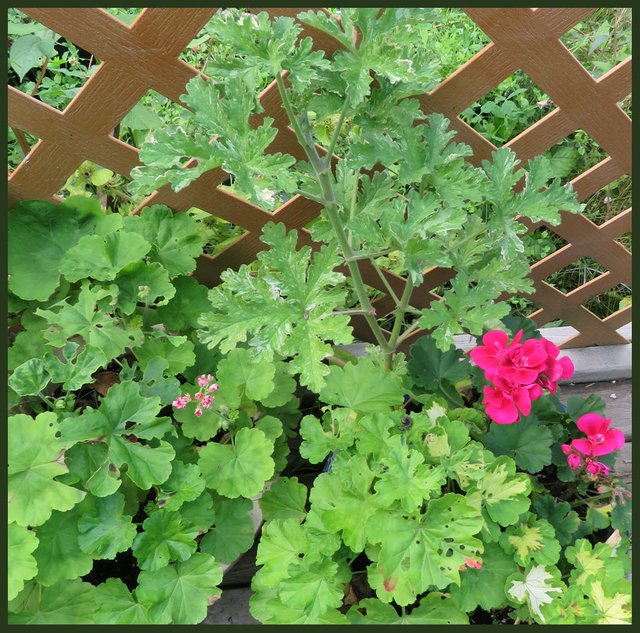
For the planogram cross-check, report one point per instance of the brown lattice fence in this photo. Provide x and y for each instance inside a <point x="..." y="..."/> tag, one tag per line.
<point x="145" y="55"/>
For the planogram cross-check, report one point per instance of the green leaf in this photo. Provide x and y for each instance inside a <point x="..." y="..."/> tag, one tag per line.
<point x="41" y="233"/>
<point x="140" y="282"/>
<point x="21" y="563"/>
<point x="563" y="519"/>
<point x="432" y="368"/>
<point x="503" y="492"/>
<point x="29" y="51"/>
<point x="30" y="378"/>
<point x="243" y="375"/>
<point x="102" y="258"/>
<point x="165" y="537"/>
<point x="284" y="500"/>
<point x="176" y="240"/>
<point x="106" y="531"/>
<point x="179" y="593"/>
<point x="66" y="602"/>
<point x="76" y="369"/>
<point x="363" y="387"/>
<point x="281" y="541"/>
<point x="155" y="381"/>
<point x="300" y="321"/>
<point x="596" y="562"/>
<point x="90" y="464"/>
<point x="100" y="176"/>
<point x="146" y="466"/>
<point x="35" y="459"/>
<point x="185" y="307"/>
<point x="141" y="118"/>
<point x="528" y="442"/>
<point x="417" y="553"/>
<point x="485" y="587"/>
<point x="176" y="350"/>
<point x="59" y="555"/>
<point x="336" y="432"/>
<point x="199" y="512"/>
<point x="531" y="541"/>
<point x="313" y="587"/>
<point x="184" y="484"/>
<point x="232" y="530"/>
<point x="434" y="608"/>
<point x="116" y="605"/>
<point x="406" y="478"/>
<point x="343" y="501"/>
<point x="87" y="319"/>
<point x="240" y="469"/>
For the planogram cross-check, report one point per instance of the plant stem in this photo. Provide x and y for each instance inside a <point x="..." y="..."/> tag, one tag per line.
<point x="336" y="132"/>
<point x="22" y="140"/>
<point x="43" y="70"/>
<point x="324" y="176"/>
<point x="309" y="196"/>
<point x="400" y="312"/>
<point x="580" y="502"/>
<point x="407" y="333"/>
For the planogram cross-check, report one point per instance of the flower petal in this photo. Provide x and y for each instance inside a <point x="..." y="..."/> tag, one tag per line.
<point x="613" y="441"/>
<point x="582" y="445"/>
<point x="593" y="424"/>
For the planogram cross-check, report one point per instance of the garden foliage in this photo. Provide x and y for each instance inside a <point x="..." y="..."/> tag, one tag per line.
<point x="123" y="448"/>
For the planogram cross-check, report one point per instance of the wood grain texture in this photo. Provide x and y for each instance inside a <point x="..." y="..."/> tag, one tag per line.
<point x="145" y="55"/>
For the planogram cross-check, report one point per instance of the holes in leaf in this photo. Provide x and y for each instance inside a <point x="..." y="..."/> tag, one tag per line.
<point x="576" y="274"/>
<point x="609" y="302"/>
<point x="611" y="200"/>
<point x="602" y="40"/>
<point x="509" y="109"/>
<point x="45" y="65"/>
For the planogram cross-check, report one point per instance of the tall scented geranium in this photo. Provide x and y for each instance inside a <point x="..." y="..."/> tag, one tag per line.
<point x="421" y="511"/>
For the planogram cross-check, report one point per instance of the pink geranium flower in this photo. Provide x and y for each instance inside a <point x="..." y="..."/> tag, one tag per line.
<point x="505" y="401"/>
<point x="523" y="363"/>
<point x="597" y="468"/>
<point x="601" y="439"/>
<point x="490" y="355"/>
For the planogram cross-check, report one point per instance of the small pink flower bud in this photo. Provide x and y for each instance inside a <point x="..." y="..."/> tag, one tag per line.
<point x="214" y="387"/>
<point x="203" y="380"/>
<point x="198" y="413"/>
<point x="574" y="461"/>
<point x="206" y="402"/>
<point x="198" y="395"/>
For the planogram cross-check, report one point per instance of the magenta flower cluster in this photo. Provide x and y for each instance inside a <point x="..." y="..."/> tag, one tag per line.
<point x="600" y="440"/>
<point x="519" y="371"/>
<point x="202" y="398"/>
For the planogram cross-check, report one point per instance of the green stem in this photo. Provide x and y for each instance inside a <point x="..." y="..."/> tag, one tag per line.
<point x="309" y="196"/>
<point x="324" y="176"/>
<point x="580" y="502"/>
<point x="406" y="334"/>
<point x="386" y="283"/>
<point x="336" y="132"/>
<point x="400" y="312"/>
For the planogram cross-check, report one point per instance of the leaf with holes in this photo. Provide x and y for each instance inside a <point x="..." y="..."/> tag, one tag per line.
<point x="415" y="553"/>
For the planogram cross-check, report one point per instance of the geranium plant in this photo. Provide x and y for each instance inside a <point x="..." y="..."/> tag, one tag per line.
<point x="449" y="492"/>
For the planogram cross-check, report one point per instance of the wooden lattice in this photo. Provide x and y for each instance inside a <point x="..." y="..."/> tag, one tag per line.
<point x="145" y="55"/>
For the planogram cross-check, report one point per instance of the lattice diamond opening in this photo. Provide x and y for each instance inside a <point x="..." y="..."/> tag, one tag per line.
<point x="509" y="109"/>
<point x="610" y="201"/>
<point x="608" y="303"/>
